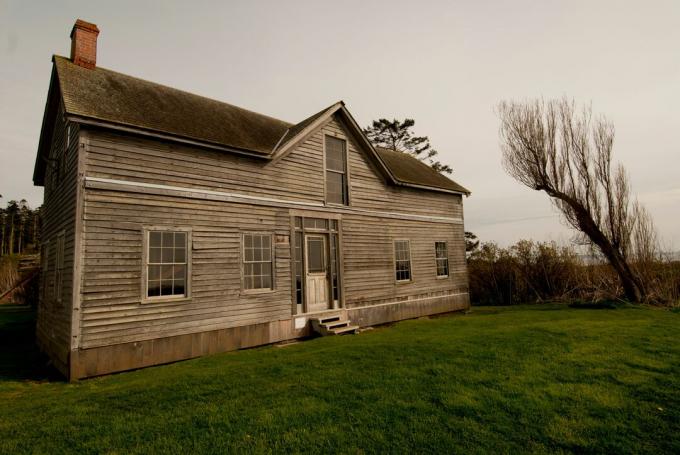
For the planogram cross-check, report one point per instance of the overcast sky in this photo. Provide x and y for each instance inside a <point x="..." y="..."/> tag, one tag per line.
<point x="446" y="64"/>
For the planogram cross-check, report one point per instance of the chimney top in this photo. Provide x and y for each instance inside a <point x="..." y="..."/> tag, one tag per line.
<point x="84" y="44"/>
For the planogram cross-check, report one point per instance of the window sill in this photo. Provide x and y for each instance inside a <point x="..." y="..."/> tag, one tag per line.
<point x="443" y="277"/>
<point x="404" y="281"/>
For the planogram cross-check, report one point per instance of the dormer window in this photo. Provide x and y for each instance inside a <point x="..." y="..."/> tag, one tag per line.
<point x="336" y="171"/>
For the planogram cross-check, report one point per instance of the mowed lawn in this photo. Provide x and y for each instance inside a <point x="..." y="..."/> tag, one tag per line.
<point x="520" y="379"/>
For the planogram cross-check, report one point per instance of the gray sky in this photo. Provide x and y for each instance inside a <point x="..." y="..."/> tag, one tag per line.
<point x="445" y="64"/>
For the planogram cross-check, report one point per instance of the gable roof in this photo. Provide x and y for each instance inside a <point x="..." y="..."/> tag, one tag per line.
<point x="111" y="99"/>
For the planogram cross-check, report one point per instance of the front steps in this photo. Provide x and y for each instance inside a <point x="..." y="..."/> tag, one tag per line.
<point x="335" y="324"/>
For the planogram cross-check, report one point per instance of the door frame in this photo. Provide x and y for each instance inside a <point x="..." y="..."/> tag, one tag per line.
<point x="325" y="240"/>
<point x="328" y="232"/>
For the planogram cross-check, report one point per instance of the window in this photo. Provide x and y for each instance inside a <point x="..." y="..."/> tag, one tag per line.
<point x="257" y="261"/>
<point x="336" y="171"/>
<point x="59" y="267"/>
<point x="441" y="258"/>
<point x="167" y="264"/>
<point x="402" y="260"/>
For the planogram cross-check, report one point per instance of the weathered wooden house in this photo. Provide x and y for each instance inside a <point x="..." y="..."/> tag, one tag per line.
<point x="177" y="226"/>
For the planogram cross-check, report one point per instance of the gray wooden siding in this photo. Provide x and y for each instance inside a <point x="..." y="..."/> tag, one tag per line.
<point x="112" y="311"/>
<point x="58" y="215"/>
<point x="113" y="223"/>
<point x="368" y="246"/>
<point x="298" y="177"/>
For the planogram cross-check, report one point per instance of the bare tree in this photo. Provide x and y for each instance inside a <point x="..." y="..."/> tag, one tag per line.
<point x="553" y="147"/>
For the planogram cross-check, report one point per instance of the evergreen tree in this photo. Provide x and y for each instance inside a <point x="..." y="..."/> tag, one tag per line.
<point x="397" y="135"/>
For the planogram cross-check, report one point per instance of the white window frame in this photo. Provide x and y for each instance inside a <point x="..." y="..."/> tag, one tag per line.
<point x="326" y="170"/>
<point x="437" y="259"/>
<point x="146" y="230"/>
<point x="410" y="261"/>
<point x="272" y="261"/>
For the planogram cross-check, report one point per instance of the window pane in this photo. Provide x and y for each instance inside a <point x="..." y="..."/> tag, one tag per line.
<point x="168" y="239"/>
<point x="178" y="287"/>
<point x="155" y="239"/>
<point x="298" y="222"/>
<point x="267" y="253"/>
<point x="166" y="256"/>
<point x="180" y="239"/>
<point x="247" y="241"/>
<point x="266" y="241"/>
<point x="179" y="272"/>
<point x="166" y="287"/>
<point x="335" y="188"/>
<point x="335" y="154"/>
<point x="154" y="255"/>
<point x="180" y="255"/>
<point x="154" y="289"/>
<point x="315" y="255"/>
<point x="154" y="272"/>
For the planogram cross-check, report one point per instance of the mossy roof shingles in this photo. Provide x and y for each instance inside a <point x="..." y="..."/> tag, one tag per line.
<point x="408" y="169"/>
<point x="124" y="100"/>
<point x="112" y="97"/>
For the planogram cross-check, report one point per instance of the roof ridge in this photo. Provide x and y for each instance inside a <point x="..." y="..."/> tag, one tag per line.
<point x="213" y="100"/>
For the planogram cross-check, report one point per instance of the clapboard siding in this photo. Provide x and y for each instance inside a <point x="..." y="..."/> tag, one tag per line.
<point x="58" y="215"/>
<point x="112" y="307"/>
<point x="297" y="177"/>
<point x="368" y="246"/>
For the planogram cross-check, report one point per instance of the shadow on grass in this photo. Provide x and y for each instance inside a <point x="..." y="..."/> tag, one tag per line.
<point x="20" y="358"/>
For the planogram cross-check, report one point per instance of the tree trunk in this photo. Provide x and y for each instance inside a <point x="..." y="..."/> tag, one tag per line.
<point x="632" y="287"/>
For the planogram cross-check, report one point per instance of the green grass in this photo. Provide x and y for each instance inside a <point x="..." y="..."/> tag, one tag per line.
<point x="519" y="379"/>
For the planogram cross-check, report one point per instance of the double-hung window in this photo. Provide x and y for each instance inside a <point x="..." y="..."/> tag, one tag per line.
<point x="441" y="259"/>
<point x="257" y="261"/>
<point x="402" y="260"/>
<point x="336" y="171"/>
<point x="167" y="264"/>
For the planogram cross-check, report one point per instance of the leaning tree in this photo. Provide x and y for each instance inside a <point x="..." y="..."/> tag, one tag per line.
<point x="398" y="136"/>
<point x="555" y="147"/>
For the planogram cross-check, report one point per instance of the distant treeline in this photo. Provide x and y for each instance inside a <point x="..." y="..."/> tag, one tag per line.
<point x="19" y="228"/>
<point x="530" y="272"/>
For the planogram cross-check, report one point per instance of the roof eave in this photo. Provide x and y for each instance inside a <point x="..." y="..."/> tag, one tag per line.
<point x="45" y="137"/>
<point x="91" y="121"/>
<point x="433" y="188"/>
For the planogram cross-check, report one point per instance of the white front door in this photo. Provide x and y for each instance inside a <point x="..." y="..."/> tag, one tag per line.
<point x="317" y="275"/>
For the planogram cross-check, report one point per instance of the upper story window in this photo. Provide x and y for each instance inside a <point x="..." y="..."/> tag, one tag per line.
<point x="402" y="260"/>
<point x="257" y="261"/>
<point x="441" y="258"/>
<point x="167" y="260"/>
<point x="336" y="171"/>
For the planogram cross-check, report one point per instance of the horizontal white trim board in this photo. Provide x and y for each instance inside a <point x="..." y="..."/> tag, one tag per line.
<point x="407" y="301"/>
<point x="211" y="195"/>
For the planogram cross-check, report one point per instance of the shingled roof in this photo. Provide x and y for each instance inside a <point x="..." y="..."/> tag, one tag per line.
<point x="408" y="169"/>
<point x="111" y="98"/>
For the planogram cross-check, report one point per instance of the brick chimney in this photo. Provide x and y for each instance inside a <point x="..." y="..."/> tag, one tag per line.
<point x="84" y="44"/>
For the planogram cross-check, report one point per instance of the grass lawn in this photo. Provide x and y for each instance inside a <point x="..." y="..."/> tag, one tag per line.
<point x="519" y="379"/>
